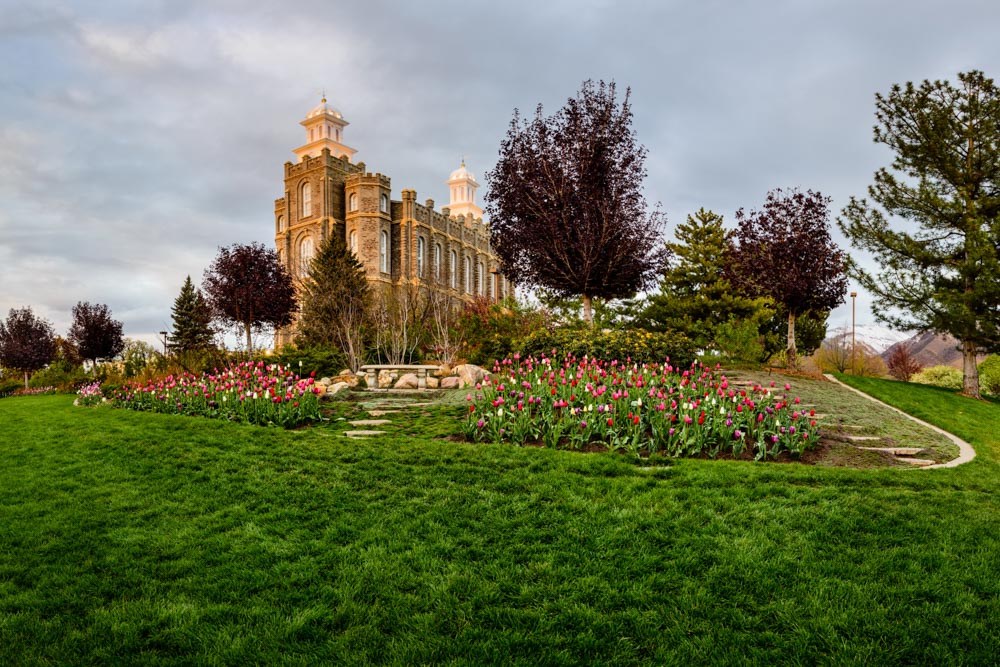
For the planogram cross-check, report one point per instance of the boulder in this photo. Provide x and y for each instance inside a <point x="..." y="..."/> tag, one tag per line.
<point x="432" y="382"/>
<point x="408" y="381"/>
<point x="444" y="370"/>
<point x="387" y="378"/>
<point x="350" y="378"/>
<point x="470" y="374"/>
<point x="450" y="382"/>
<point x="324" y="381"/>
<point x="335" y="387"/>
<point x="346" y="371"/>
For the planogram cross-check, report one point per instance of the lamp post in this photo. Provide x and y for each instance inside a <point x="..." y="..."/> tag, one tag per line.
<point x="164" y="335"/>
<point x="854" y="371"/>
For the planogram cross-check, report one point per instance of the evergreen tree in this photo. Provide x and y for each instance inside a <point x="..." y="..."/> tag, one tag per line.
<point x="695" y="295"/>
<point x="192" y="320"/>
<point x="942" y="272"/>
<point x="335" y="298"/>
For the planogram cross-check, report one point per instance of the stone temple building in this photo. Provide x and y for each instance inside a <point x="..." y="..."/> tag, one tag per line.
<point x="399" y="242"/>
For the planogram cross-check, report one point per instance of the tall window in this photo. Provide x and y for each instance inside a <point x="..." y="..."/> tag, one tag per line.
<point x="305" y="256"/>
<point x="468" y="275"/>
<point x="492" y="287"/>
<point x="305" y="197"/>
<point x="353" y="242"/>
<point x="421" y="251"/>
<point x="384" y="204"/>
<point x="454" y="270"/>
<point x="352" y="202"/>
<point x="481" y="282"/>
<point x="383" y="252"/>
<point x="281" y="223"/>
<point x="437" y="261"/>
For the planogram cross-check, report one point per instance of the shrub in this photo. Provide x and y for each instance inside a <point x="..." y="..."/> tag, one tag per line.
<point x="901" y="363"/>
<point x="637" y="345"/>
<point x="989" y="375"/>
<point x="63" y="375"/>
<point x="317" y="360"/>
<point x="491" y="331"/>
<point x="8" y="387"/>
<point x="939" y="376"/>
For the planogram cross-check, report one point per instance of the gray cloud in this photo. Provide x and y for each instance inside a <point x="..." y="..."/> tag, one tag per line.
<point x="137" y="138"/>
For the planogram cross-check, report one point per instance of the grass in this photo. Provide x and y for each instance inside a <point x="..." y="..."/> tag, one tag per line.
<point x="136" y="538"/>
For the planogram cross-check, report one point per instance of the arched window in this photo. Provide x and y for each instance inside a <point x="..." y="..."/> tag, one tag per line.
<point x="468" y="275"/>
<point x="305" y="197"/>
<point x="421" y="252"/>
<point x="481" y="283"/>
<point x="383" y="252"/>
<point x="384" y="204"/>
<point x="492" y="287"/>
<point x="454" y="270"/>
<point x="437" y="261"/>
<point x="281" y="223"/>
<point x="305" y="256"/>
<point x="352" y="202"/>
<point x="353" y="241"/>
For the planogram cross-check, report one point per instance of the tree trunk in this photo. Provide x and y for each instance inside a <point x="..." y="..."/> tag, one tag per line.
<point x="791" y="352"/>
<point x="970" y="374"/>
<point x="25" y="379"/>
<point x="246" y="326"/>
<point x="588" y="313"/>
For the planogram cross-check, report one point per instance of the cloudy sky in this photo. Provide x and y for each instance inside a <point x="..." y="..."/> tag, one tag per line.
<point x="138" y="137"/>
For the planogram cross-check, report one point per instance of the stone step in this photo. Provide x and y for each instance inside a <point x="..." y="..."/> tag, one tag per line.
<point x="362" y="434"/>
<point x="418" y="405"/>
<point x="895" y="451"/>
<point x="380" y="413"/>
<point x="920" y="463"/>
<point x="863" y="438"/>
<point x="370" y="422"/>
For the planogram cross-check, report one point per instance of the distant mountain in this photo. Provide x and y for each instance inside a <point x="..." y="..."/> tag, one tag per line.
<point x="933" y="350"/>
<point x="872" y="336"/>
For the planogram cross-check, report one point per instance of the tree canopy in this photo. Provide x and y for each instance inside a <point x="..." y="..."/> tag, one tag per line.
<point x="940" y="271"/>
<point x="784" y="251"/>
<point x="565" y="201"/>
<point x="27" y="343"/>
<point x="248" y="287"/>
<point x="95" y="333"/>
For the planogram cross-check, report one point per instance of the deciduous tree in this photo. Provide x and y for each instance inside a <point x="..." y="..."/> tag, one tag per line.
<point x="27" y="343"/>
<point x="785" y="252"/>
<point x="248" y="287"/>
<point x="941" y="271"/>
<point x="95" y="333"/>
<point x="565" y="201"/>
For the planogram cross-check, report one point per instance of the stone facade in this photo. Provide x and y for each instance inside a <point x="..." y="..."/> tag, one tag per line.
<point x="398" y="241"/>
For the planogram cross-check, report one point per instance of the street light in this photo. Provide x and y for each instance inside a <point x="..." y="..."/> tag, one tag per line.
<point x="854" y="371"/>
<point x="164" y="334"/>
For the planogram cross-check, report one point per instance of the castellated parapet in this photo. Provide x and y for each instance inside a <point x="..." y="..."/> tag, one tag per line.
<point x="398" y="241"/>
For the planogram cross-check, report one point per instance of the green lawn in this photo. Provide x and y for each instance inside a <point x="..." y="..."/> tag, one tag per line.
<point x="132" y="538"/>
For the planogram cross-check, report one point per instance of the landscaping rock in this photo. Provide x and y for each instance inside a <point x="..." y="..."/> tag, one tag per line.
<point x="337" y="386"/>
<point x="324" y="381"/>
<point x="432" y="382"/>
<point x="370" y="422"/>
<point x="350" y="378"/>
<point x="408" y="381"/>
<point x="450" y="382"/>
<point x="444" y="370"/>
<point x="379" y="413"/>
<point x="470" y="374"/>
<point x="362" y="434"/>
<point x="387" y="378"/>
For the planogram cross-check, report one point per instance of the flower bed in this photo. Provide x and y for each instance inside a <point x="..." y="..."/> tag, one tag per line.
<point x="254" y="393"/>
<point x="641" y="409"/>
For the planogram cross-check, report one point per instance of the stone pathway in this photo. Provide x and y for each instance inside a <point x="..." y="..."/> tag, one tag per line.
<point x="362" y="434"/>
<point x="381" y="408"/>
<point x="965" y="451"/>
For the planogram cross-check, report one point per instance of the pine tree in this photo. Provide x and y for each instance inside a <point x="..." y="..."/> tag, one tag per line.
<point x="335" y="299"/>
<point x="695" y="296"/>
<point x="941" y="272"/>
<point x="192" y="320"/>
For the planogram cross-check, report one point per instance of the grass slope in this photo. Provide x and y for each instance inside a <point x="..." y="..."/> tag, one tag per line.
<point x="132" y="538"/>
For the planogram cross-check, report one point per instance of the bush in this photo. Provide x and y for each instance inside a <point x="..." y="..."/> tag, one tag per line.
<point x="63" y="375"/>
<point x="8" y="387"/>
<point x="320" y="360"/>
<point x="939" y="376"/>
<point x="491" y="331"/>
<point x="637" y="345"/>
<point x="989" y="375"/>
